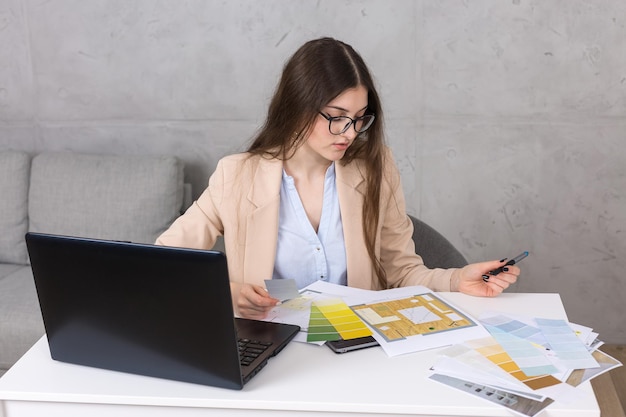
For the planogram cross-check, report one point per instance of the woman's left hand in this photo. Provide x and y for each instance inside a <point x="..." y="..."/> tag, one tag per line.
<point x="469" y="279"/>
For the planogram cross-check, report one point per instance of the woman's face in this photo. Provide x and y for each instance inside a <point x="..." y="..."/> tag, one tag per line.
<point x="322" y="144"/>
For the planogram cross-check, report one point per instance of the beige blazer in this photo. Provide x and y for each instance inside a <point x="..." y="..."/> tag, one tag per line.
<point x="241" y="203"/>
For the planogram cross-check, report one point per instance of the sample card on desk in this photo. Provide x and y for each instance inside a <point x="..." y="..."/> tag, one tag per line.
<point x="527" y="363"/>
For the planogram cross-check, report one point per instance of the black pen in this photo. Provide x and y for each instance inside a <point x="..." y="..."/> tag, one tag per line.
<point x="511" y="262"/>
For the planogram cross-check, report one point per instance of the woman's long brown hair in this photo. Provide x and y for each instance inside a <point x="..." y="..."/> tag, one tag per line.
<point x="318" y="72"/>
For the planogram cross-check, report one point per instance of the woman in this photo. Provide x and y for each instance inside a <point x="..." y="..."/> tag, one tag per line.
<point x="318" y="195"/>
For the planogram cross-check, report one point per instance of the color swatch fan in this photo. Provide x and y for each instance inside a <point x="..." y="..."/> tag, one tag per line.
<point x="332" y="319"/>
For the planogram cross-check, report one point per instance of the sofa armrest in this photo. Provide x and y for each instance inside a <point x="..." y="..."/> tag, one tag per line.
<point x="14" y="177"/>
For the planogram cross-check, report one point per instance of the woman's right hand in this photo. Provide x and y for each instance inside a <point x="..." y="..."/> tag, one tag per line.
<point x="251" y="301"/>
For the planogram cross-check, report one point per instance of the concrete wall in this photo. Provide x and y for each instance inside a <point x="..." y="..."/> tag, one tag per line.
<point x="507" y="118"/>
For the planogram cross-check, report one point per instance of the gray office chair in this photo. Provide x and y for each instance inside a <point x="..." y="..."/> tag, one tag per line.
<point x="434" y="248"/>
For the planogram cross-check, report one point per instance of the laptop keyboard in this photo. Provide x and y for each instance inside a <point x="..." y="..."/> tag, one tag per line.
<point x="249" y="350"/>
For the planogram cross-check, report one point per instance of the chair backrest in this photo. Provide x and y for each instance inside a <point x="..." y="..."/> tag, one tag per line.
<point x="434" y="248"/>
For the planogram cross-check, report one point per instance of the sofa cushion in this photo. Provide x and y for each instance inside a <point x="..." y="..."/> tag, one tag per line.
<point x="102" y="196"/>
<point x="14" y="174"/>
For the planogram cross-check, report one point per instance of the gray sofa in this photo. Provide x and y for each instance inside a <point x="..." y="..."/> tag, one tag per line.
<point x="108" y="197"/>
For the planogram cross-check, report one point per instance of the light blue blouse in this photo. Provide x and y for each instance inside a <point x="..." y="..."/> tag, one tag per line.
<point x="301" y="253"/>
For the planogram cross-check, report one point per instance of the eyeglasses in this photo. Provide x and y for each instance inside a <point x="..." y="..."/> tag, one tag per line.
<point x="339" y="124"/>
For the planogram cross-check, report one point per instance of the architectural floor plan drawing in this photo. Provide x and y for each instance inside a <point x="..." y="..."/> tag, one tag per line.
<point x="422" y="314"/>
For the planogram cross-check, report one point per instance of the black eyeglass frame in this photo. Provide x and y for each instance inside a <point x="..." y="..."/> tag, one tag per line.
<point x="352" y="122"/>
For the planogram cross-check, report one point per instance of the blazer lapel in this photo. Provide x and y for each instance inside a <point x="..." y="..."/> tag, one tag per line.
<point x="351" y="191"/>
<point x="262" y="221"/>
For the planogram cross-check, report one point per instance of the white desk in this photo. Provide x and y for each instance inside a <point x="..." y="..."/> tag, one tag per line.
<point x="303" y="380"/>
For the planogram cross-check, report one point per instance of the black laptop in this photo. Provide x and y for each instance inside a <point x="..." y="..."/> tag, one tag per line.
<point x="149" y="310"/>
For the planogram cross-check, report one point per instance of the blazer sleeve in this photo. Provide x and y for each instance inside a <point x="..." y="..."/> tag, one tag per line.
<point x="397" y="250"/>
<point x="200" y="226"/>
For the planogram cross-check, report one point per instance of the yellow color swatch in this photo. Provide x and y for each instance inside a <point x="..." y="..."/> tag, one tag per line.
<point x="343" y="319"/>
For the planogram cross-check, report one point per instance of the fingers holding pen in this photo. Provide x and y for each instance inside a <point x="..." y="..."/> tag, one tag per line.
<point x="502" y="280"/>
<point x="486" y="279"/>
<point x="506" y="271"/>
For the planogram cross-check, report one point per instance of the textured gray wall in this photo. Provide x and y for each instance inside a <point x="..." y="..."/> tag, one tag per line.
<point x="507" y="118"/>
